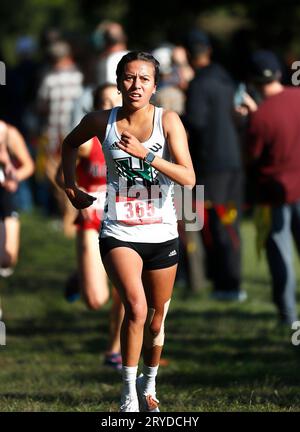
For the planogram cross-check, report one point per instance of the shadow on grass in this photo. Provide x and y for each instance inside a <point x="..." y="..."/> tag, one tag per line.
<point x="58" y="328"/>
<point x="50" y="282"/>
<point x="62" y="397"/>
<point x="212" y="348"/>
<point x="105" y="375"/>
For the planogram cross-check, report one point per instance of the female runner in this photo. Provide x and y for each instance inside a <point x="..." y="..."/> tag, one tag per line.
<point x="145" y="149"/>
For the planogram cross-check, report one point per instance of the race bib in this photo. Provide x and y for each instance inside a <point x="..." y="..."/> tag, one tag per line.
<point x="135" y="211"/>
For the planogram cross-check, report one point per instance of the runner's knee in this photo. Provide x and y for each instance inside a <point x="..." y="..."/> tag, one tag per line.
<point x="136" y="311"/>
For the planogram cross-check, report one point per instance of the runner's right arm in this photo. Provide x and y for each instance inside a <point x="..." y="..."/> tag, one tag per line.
<point x="93" y="124"/>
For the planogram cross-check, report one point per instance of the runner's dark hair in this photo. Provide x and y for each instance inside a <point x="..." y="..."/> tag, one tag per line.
<point x="137" y="55"/>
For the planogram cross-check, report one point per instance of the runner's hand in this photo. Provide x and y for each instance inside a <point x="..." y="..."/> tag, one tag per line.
<point x="131" y="145"/>
<point x="78" y="198"/>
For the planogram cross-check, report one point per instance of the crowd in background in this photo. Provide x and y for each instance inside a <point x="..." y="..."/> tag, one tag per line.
<point x="232" y="143"/>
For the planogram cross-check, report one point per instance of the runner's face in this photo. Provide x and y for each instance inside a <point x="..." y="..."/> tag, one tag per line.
<point x="137" y="84"/>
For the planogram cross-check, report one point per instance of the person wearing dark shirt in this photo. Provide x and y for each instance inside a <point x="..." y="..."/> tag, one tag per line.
<point x="274" y="152"/>
<point x="216" y="157"/>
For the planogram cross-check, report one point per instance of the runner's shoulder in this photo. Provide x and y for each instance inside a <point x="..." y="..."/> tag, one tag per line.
<point x="169" y="119"/>
<point x="97" y="117"/>
<point x="170" y="116"/>
<point x="96" y="121"/>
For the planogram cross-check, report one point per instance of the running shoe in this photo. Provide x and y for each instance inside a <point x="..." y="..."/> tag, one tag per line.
<point x="129" y="404"/>
<point x="113" y="360"/>
<point x="148" y="402"/>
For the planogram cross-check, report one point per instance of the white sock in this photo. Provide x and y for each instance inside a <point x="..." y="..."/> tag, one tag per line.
<point x="129" y="378"/>
<point x="148" y="378"/>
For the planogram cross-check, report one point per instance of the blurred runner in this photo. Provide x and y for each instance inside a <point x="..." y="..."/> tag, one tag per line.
<point x="91" y="279"/>
<point x="19" y="168"/>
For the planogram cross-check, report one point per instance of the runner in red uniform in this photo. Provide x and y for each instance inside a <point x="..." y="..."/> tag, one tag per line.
<point x="91" y="176"/>
<point x="91" y="275"/>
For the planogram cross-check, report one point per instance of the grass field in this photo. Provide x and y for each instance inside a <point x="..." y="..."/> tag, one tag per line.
<point x="223" y="357"/>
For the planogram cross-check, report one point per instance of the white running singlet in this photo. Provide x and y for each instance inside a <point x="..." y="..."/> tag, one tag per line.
<point x="140" y="200"/>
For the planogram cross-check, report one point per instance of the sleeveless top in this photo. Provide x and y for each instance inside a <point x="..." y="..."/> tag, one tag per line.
<point x="140" y="200"/>
<point x="91" y="171"/>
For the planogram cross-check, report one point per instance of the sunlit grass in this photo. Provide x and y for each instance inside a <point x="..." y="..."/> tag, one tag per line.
<point x="223" y="356"/>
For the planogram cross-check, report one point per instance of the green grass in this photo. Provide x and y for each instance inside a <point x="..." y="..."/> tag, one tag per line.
<point x="223" y="357"/>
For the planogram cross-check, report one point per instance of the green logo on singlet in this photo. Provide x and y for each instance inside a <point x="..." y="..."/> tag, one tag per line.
<point x="142" y="172"/>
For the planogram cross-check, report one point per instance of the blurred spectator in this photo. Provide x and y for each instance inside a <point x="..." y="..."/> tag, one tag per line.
<point x="56" y="95"/>
<point x="111" y="41"/>
<point x="82" y="105"/>
<point x="217" y="161"/>
<point x="182" y="67"/>
<point x="48" y="37"/>
<point x="168" y="94"/>
<point x="60" y="87"/>
<point x="19" y="106"/>
<point x="23" y="92"/>
<point x="274" y="149"/>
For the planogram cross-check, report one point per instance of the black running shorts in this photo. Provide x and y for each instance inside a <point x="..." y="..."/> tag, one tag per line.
<point x="154" y="255"/>
<point x="7" y="205"/>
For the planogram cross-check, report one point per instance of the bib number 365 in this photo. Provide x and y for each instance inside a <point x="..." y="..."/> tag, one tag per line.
<point x="139" y="212"/>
